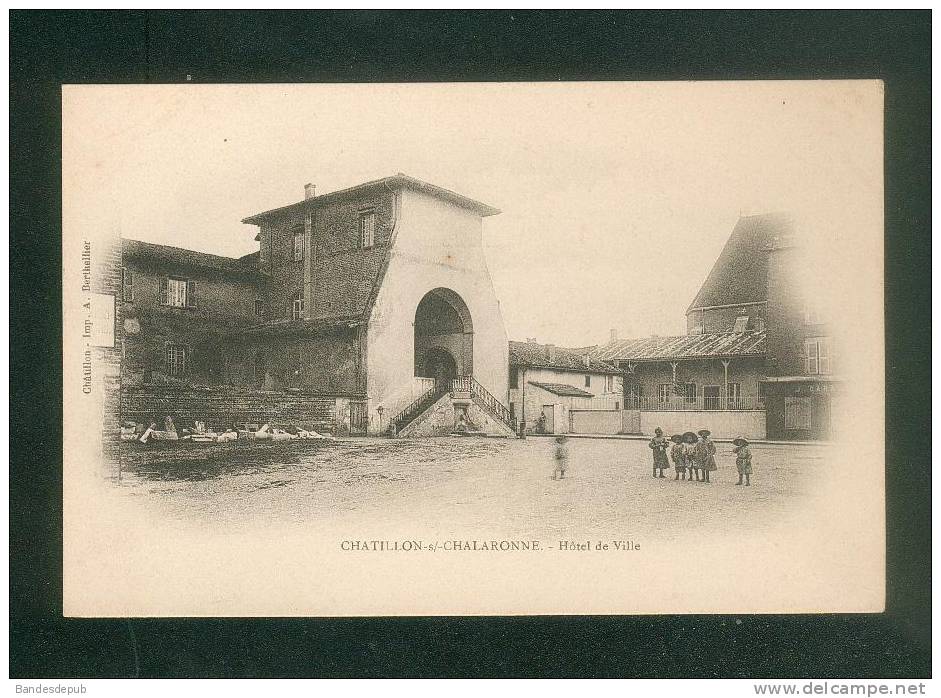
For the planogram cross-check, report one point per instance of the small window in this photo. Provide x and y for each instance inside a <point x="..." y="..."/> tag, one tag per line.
<point x="176" y="293"/>
<point x="609" y="384"/>
<point x="817" y="356"/>
<point x="664" y="390"/>
<point x="176" y="360"/>
<point x="367" y="230"/>
<point x="127" y="284"/>
<point x="514" y="377"/>
<point x="587" y="381"/>
<point x="297" y="305"/>
<point x="297" y="246"/>
<point x="259" y="308"/>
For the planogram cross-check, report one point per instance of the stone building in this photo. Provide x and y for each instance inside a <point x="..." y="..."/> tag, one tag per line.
<point x="378" y="296"/>
<point x="560" y="384"/>
<point x="755" y="361"/>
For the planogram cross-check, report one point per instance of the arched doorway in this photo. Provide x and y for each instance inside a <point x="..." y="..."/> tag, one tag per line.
<point x="440" y="365"/>
<point x="444" y="336"/>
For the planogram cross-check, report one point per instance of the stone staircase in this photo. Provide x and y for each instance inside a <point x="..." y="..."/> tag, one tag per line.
<point x="482" y="412"/>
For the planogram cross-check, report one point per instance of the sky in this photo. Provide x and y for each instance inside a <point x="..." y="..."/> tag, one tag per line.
<point x="616" y="197"/>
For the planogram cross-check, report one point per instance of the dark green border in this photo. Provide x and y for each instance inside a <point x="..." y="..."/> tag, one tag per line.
<point x="51" y="48"/>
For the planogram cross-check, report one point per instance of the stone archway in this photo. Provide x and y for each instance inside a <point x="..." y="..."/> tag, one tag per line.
<point x="443" y="336"/>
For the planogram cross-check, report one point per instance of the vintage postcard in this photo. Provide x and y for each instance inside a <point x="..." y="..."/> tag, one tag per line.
<point x="473" y="349"/>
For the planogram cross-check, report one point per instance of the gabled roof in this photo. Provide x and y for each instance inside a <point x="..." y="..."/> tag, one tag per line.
<point x="178" y="256"/>
<point x="740" y="274"/>
<point x="534" y="355"/>
<point x="395" y="181"/>
<point x="689" y="346"/>
<point x="562" y="389"/>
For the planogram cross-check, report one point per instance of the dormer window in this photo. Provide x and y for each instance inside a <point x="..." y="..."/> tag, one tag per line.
<point x="741" y="323"/>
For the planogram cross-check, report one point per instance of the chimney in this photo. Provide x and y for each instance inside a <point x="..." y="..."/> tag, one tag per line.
<point x="550" y="353"/>
<point x="310" y="191"/>
<point x="530" y="340"/>
<point x="614" y="335"/>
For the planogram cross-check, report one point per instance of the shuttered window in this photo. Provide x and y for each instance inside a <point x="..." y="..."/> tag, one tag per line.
<point x="178" y="293"/>
<point x="817" y="355"/>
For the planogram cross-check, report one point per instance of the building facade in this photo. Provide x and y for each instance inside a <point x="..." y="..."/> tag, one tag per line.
<point x="550" y="385"/>
<point x="755" y="361"/>
<point x="379" y="293"/>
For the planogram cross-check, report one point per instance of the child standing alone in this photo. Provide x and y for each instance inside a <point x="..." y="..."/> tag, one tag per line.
<point x="561" y="457"/>
<point x="742" y="460"/>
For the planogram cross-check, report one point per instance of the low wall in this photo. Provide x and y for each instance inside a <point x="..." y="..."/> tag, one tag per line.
<point x="220" y="407"/>
<point x="595" y="421"/>
<point x="723" y="425"/>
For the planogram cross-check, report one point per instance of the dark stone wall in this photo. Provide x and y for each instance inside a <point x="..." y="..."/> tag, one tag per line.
<point x="343" y="275"/>
<point x="221" y="407"/>
<point x="223" y="304"/>
<point x="327" y="363"/>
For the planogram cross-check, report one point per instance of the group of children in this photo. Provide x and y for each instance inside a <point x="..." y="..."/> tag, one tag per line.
<point x="696" y="455"/>
<point x="690" y="453"/>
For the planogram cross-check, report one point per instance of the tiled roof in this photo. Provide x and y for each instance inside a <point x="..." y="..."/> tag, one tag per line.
<point x="536" y="355"/>
<point x="690" y="346"/>
<point x="396" y="180"/>
<point x="740" y="274"/>
<point x="179" y="256"/>
<point x="562" y="389"/>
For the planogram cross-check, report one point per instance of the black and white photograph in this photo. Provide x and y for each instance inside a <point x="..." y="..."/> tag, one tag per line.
<point x="464" y="344"/>
<point x="409" y="349"/>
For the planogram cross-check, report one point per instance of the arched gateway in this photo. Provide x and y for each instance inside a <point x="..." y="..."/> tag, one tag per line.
<point x="444" y="337"/>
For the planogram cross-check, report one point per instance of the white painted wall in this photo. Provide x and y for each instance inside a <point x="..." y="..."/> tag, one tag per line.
<point x="723" y="425"/>
<point x="437" y="244"/>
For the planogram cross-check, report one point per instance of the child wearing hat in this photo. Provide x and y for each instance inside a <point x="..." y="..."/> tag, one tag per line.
<point x="659" y="446"/>
<point x="561" y="457"/>
<point x="689" y="448"/>
<point x="742" y="460"/>
<point x="678" y="456"/>
<point x="706" y="454"/>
